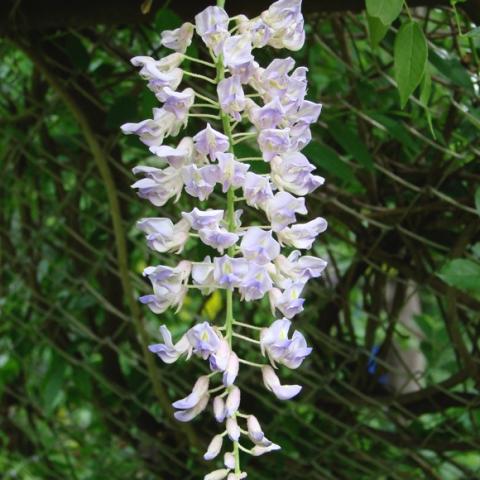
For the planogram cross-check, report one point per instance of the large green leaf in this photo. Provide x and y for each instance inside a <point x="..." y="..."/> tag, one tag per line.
<point x="397" y="131"/>
<point x="462" y="273"/>
<point x="410" y="59"/>
<point x="376" y="29"/>
<point x="327" y="159"/>
<point x="385" y="10"/>
<point x="452" y="69"/>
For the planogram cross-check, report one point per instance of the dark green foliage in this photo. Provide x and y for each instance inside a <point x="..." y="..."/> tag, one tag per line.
<point x="402" y="199"/>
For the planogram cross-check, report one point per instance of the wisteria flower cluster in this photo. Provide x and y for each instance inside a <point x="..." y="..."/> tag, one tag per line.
<point x="266" y="105"/>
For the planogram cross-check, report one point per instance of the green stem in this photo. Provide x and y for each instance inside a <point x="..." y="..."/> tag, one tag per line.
<point x="227" y="128"/>
<point x="408" y="10"/>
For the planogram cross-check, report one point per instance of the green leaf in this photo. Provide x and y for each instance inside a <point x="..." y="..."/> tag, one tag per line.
<point x="397" y="131"/>
<point x="326" y="158"/>
<point x="425" y="93"/>
<point x="473" y="33"/>
<point x="52" y="383"/>
<point x="376" y="29"/>
<point x="477" y="200"/>
<point x="385" y="10"/>
<point x="410" y="59"/>
<point x="462" y="273"/>
<point x="452" y="69"/>
<point x="426" y="87"/>
<point x="351" y="142"/>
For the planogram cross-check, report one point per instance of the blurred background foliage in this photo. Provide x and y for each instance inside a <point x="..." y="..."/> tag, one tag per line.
<point x="391" y="391"/>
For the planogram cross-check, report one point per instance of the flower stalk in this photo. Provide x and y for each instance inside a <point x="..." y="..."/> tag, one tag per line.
<point x="251" y="261"/>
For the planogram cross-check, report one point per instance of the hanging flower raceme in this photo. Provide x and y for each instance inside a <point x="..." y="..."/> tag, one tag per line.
<point x="249" y="259"/>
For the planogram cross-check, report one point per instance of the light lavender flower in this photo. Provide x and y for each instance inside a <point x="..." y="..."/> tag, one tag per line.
<point x="167" y="351"/>
<point x="163" y="235"/>
<point x="210" y="142"/>
<point x="272" y="382"/>
<point x="178" y="103"/>
<point x="273" y="141"/>
<point x="292" y="171"/>
<point x="281" y="349"/>
<point x="159" y="185"/>
<point x="160" y="77"/>
<point x="178" y="39"/>
<point x="300" y="268"/>
<point x="285" y="19"/>
<point x="165" y="64"/>
<point x="229" y="272"/>
<point x="237" y="51"/>
<point x="269" y="116"/>
<point x="218" y="237"/>
<point x="258" y="450"/>
<point x="153" y="131"/>
<point x="233" y="430"/>
<point x="176" y="157"/>
<point x="199" y="219"/>
<point x="308" y="112"/>
<point x="219" y="359"/>
<point x="203" y="339"/>
<point x="302" y="235"/>
<point x="212" y="26"/>
<point x="202" y="275"/>
<point x="199" y="181"/>
<point x="169" y="288"/>
<point x="189" y="414"/>
<point x="281" y="210"/>
<point x="281" y="119"/>
<point x="259" y="245"/>
<point x="199" y="389"/>
<point x="230" y="173"/>
<point x="260" y="33"/>
<point x="257" y="190"/>
<point x="288" y="301"/>
<point x="245" y="71"/>
<point x="256" y="283"/>
<point x="274" y="80"/>
<point x="231" y="96"/>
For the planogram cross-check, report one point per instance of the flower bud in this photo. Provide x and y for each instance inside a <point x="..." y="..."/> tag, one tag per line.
<point x="272" y="382"/>
<point x="254" y="429"/>
<point x="236" y="476"/>
<point x="231" y="371"/>
<point x="219" y="409"/>
<point x="229" y="460"/>
<point x="214" y="447"/>
<point x="217" y="474"/>
<point x="233" y="401"/>
<point x="233" y="430"/>
<point x="258" y="450"/>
